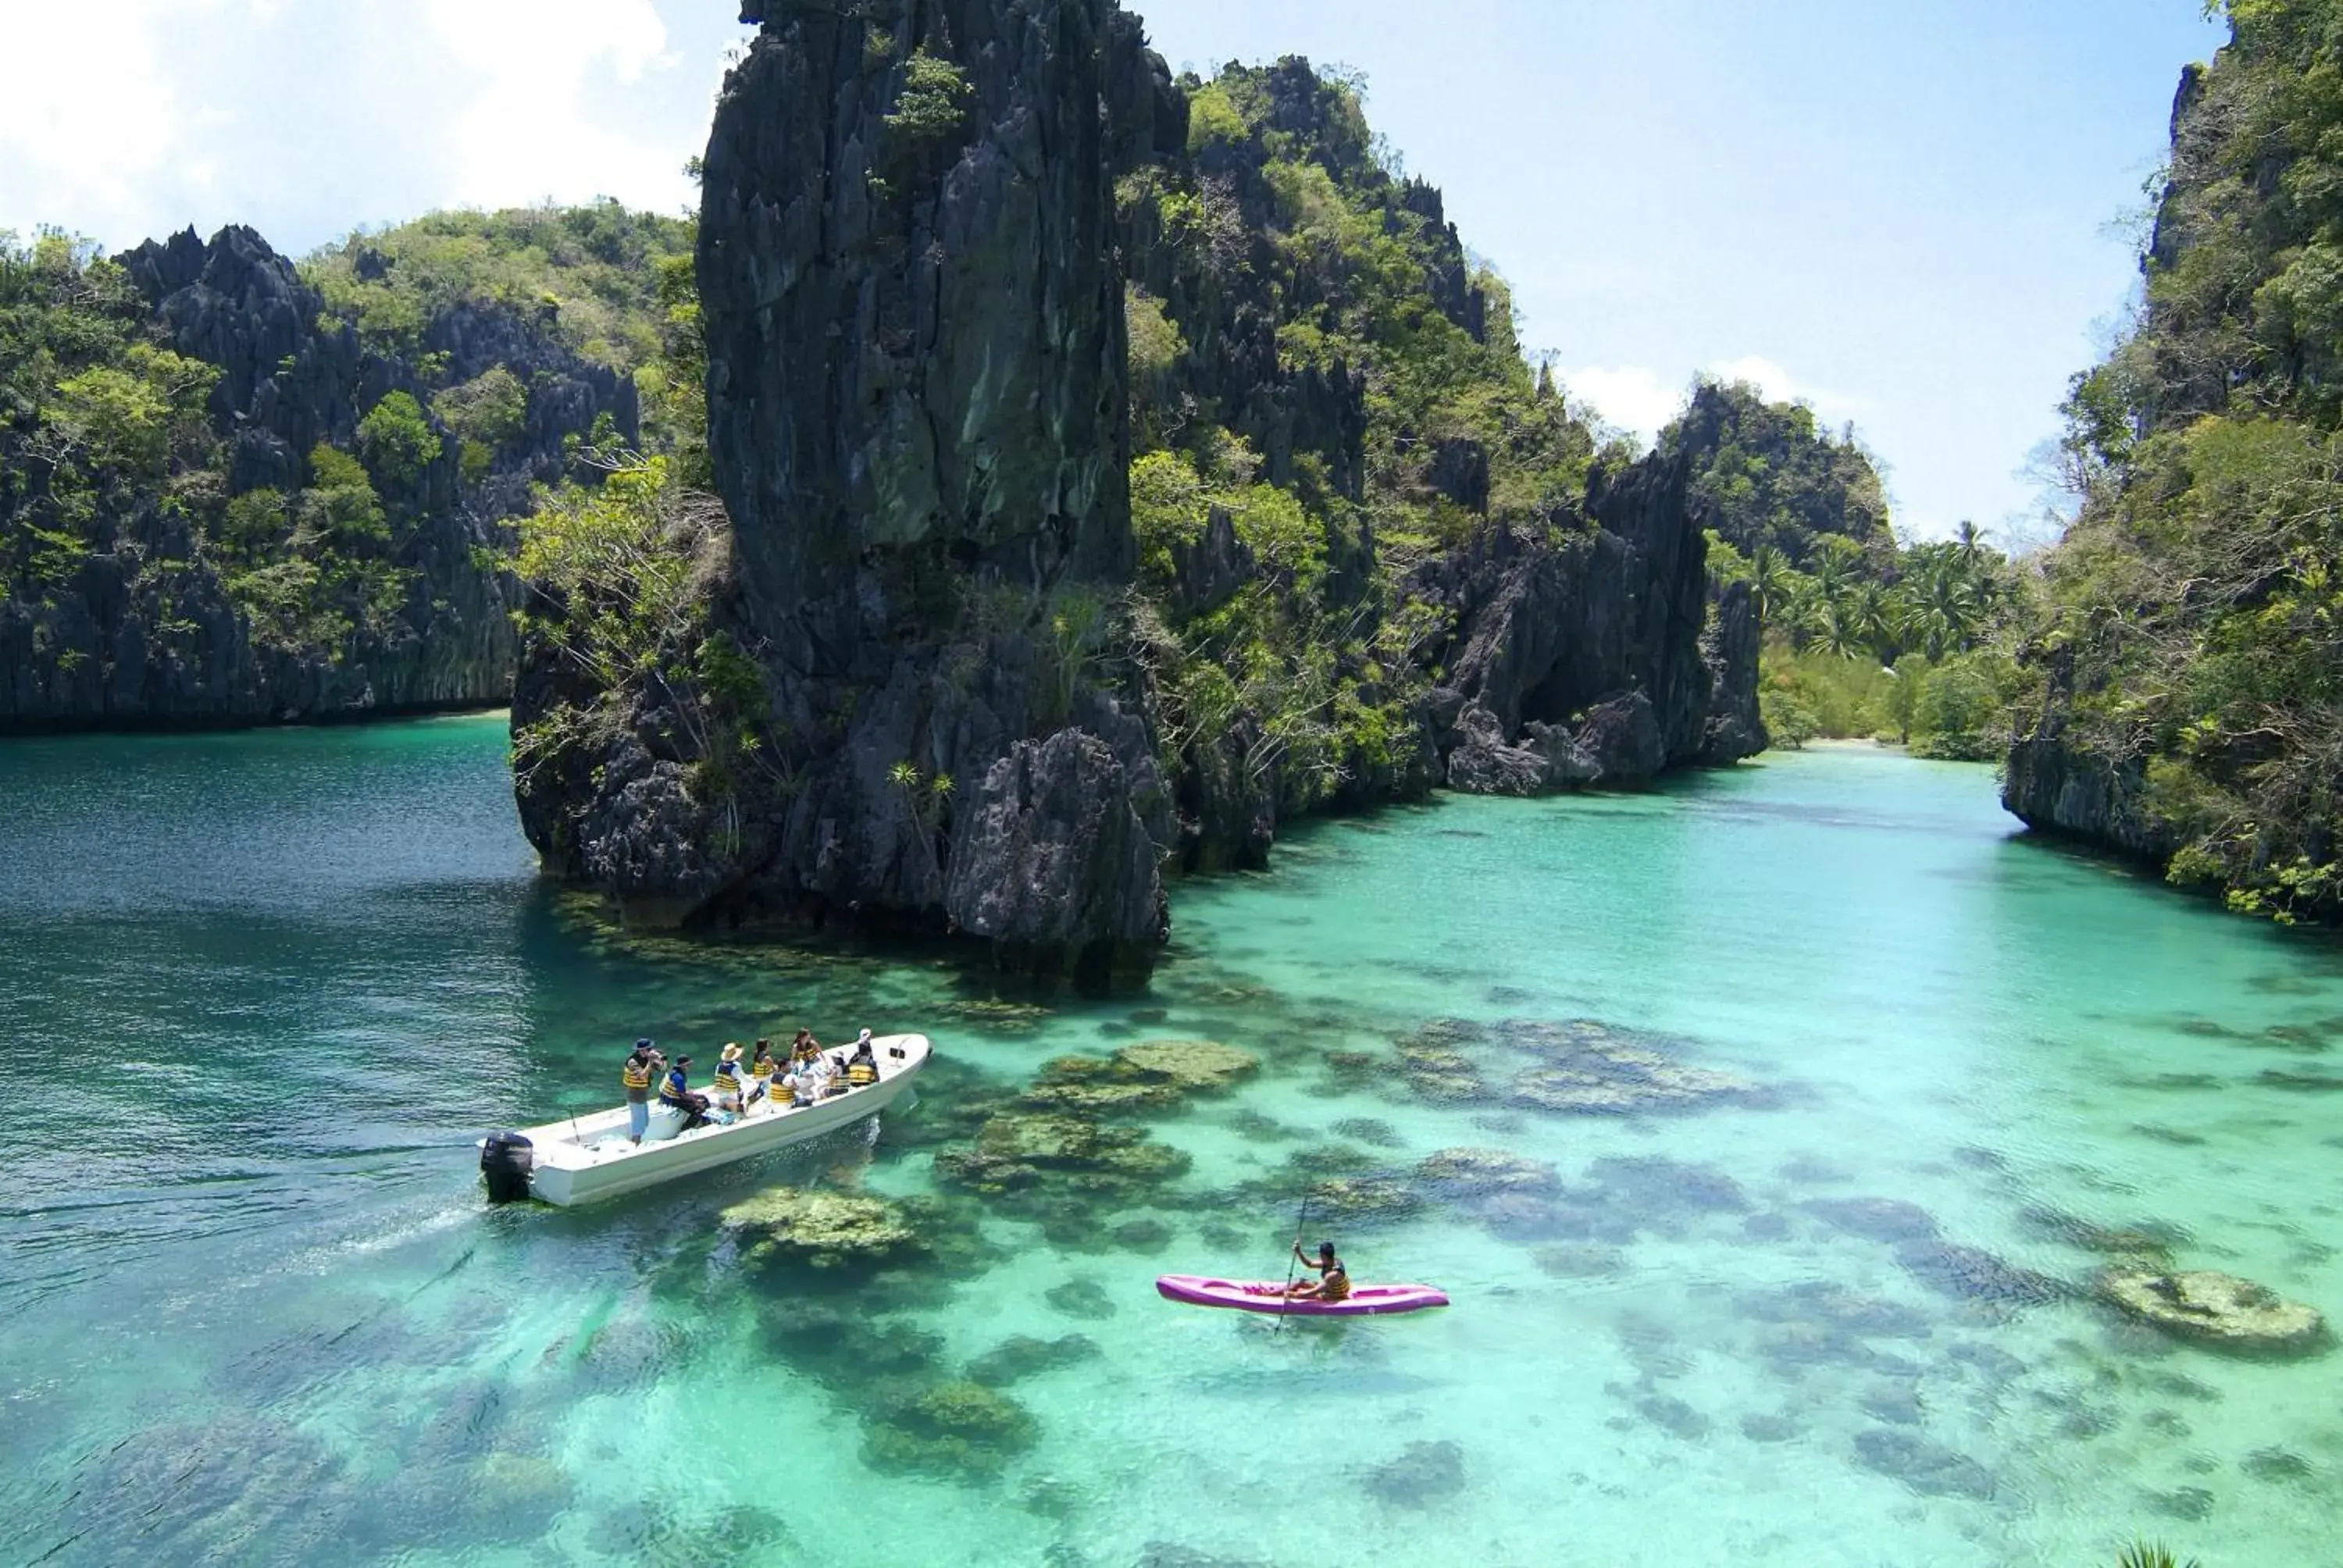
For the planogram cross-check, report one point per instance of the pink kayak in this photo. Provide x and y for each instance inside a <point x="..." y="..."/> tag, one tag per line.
<point x="1268" y="1296"/>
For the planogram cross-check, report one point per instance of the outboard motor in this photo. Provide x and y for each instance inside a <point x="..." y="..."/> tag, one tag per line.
<point x="506" y="1160"/>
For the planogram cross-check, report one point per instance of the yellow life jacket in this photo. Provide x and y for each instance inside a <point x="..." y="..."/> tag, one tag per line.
<point x="762" y="1071"/>
<point x="1334" y="1285"/>
<point x="858" y="1073"/>
<point x="636" y="1074"/>
<point x="728" y="1078"/>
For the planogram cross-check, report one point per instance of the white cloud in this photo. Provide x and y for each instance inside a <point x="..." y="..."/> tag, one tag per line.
<point x="306" y="118"/>
<point x="1780" y="387"/>
<point x="1636" y="397"/>
<point x="88" y="119"/>
<point x="1641" y="399"/>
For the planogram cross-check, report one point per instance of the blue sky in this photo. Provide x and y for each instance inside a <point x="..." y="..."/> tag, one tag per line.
<point x="1909" y="215"/>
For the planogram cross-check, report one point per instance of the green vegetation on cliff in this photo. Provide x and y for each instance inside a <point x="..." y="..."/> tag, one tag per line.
<point x="587" y="275"/>
<point x="1290" y="630"/>
<point x="1863" y="636"/>
<point x="107" y="450"/>
<point x="215" y="509"/>
<point x="1773" y="480"/>
<point x="2191" y="653"/>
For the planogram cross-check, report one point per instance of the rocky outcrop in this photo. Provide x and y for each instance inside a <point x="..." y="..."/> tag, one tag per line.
<point x="1589" y="653"/>
<point x="913" y="275"/>
<point x="2095" y="789"/>
<point x="147" y="632"/>
<point x="1056" y="859"/>
<point x="917" y="422"/>
<point x="2216" y="1309"/>
<point x="1729" y="646"/>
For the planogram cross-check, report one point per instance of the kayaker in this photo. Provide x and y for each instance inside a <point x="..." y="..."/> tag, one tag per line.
<point x="635" y="1076"/>
<point x="862" y="1068"/>
<point x="677" y="1093"/>
<point x="732" y="1082"/>
<point x="762" y="1070"/>
<point x="1334" y="1280"/>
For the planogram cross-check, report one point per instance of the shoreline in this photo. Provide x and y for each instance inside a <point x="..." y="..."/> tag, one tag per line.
<point x="358" y="719"/>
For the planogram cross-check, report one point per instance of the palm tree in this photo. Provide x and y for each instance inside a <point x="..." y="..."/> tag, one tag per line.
<point x="2152" y="1554"/>
<point x="1834" y="626"/>
<point x="1774" y="582"/>
<point x="1870" y="619"/>
<point x="1969" y="540"/>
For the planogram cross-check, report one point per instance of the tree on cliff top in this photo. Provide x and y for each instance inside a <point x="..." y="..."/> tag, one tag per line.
<point x="1769" y="477"/>
<point x="588" y="274"/>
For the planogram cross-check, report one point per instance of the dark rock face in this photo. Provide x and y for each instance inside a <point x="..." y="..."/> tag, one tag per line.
<point x="1592" y="657"/>
<point x="2056" y="782"/>
<point x="127" y="645"/>
<point x="1729" y="646"/>
<point x="1057" y="856"/>
<point x="918" y="424"/>
<point x="912" y="273"/>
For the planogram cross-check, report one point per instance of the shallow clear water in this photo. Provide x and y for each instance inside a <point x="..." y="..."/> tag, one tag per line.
<point x="264" y="990"/>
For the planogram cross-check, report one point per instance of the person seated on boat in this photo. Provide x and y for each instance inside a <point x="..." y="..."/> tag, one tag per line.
<point x="763" y="1070"/>
<point x="677" y="1093"/>
<point x="1334" y="1280"/>
<point x="635" y="1078"/>
<point x="804" y="1082"/>
<point x="862" y="1066"/>
<point x="836" y="1066"/>
<point x="731" y="1081"/>
<point x="805" y="1046"/>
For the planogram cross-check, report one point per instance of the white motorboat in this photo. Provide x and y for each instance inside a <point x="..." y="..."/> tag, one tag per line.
<point x="587" y="1158"/>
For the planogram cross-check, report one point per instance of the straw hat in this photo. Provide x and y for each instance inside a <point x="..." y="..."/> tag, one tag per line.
<point x="731" y="1054"/>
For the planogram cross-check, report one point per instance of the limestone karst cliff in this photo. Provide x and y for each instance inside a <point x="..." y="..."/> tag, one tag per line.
<point x="217" y="506"/>
<point x="1110" y="469"/>
<point x="2183" y="706"/>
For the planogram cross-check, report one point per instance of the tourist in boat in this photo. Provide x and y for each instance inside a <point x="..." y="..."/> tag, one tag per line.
<point x="677" y="1093"/>
<point x="762" y="1070"/>
<point x="862" y="1068"/>
<point x="804" y="1046"/>
<point x="805" y="1082"/>
<point x="732" y="1082"/>
<point x="1334" y="1280"/>
<point x="635" y="1076"/>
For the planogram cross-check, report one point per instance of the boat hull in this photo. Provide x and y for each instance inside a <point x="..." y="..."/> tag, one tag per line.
<point x="1268" y="1296"/>
<point x="588" y="1159"/>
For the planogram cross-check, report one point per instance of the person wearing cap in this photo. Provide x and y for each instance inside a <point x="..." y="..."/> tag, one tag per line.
<point x="862" y="1066"/>
<point x="635" y="1076"/>
<point x="677" y="1093"/>
<point x="1334" y="1280"/>
<point x="732" y="1082"/>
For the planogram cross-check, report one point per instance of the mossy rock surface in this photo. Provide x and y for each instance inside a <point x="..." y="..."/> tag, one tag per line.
<point x="2217" y="1310"/>
<point x="1191" y="1066"/>
<point x="1021" y="1356"/>
<point x="1355" y="1200"/>
<point x="845" y="1347"/>
<point x="958" y="1430"/>
<point x="1090" y="1085"/>
<point x="1036" y="1154"/>
<point x="794" y="1224"/>
<point x="1470" y="1172"/>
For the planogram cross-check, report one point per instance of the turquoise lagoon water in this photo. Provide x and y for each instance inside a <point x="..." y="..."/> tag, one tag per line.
<point x="263" y="990"/>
